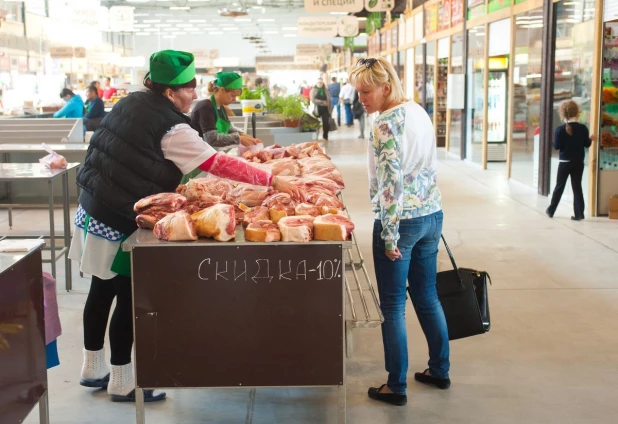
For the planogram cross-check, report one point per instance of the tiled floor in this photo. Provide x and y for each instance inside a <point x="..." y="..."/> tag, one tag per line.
<point x="550" y="357"/>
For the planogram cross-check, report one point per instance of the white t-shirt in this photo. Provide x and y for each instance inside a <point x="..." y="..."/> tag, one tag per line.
<point x="347" y="93"/>
<point x="184" y="146"/>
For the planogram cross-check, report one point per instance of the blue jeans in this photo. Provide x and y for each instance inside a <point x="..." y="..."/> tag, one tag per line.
<point x="418" y="267"/>
<point x="349" y="118"/>
<point x="336" y="106"/>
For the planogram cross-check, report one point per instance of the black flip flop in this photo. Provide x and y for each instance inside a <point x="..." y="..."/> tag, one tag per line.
<point x="100" y="383"/>
<point x="148" y="397"/>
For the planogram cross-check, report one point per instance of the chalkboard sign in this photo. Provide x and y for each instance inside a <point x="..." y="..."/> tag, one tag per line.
<point x="231" y="316"/>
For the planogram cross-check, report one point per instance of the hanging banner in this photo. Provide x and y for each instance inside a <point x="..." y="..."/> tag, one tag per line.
<point x="348" y="26"/>
<point x="121" y="19"/>
<point x="327" y="6"/>
<point x="456" y="12"/>
<point x="444" y="15"/>
<point x="84" y="14"/>
<point x="323" y="26"/>
<point x="379" y="5"/>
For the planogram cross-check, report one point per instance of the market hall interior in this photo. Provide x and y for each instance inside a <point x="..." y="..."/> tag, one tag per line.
<point x="549" y="356"/>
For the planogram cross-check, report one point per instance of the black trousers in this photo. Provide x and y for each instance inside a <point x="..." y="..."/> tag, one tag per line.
<point x="576" y="172"/>
<point x="325" y="115"/>
<point x="96" y="315"/>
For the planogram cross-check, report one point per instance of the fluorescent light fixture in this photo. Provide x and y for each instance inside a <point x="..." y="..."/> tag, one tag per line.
<point x="290" y="28"/>
<point x="197" y="20"/>
<point x="191" y="29"/>
<point x="216" y="32"/>
<point x="179" y="33"/>
<point x="169" y="36"/>
<point x="289" y="35"/>
<point x="184" y="25"/>
<point x="180" y="8"/>
<point x="162" y="25"/>
<point x="242" y="20"/>
<point x="535" y="26"/>
<point x="174" y="20"/>
<point x="164" y="14"/>
<point x="362" y="19"/>
<point x="169" y="29"/>
<point x="141" y="25"/>
<point x="138" y="15"/>
<point x="338" y="13"/>
<point x="152" y="21"/>
<point x="229" y="29"/>
<point x="265" y="20"/>
<point x="567" y="73"/>
<point x="362" y="34"/>
<point x="572" y="21"/>
<point x="271" y="32"/>
<point x="142" y="33"/>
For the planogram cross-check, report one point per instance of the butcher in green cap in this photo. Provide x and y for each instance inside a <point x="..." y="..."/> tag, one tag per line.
<point x="143" y="147"/>
<point x="209" y="116"/>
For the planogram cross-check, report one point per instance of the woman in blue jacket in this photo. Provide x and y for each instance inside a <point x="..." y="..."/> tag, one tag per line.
<point x="74" y="107"/>
<point x="571" y="138"/>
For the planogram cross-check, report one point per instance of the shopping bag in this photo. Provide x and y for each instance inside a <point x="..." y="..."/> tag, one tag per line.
<point x="332" y="125"/>
<point x="464" y="298"/>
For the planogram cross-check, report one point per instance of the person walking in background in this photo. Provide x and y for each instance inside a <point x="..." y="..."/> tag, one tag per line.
<point x="359" y="113"/>
<point x="74" y="106"/>
<point x="97" y="84"/>
<point x="334" y="88"/>
<point x="320" y="97"/>
<point x="305" y="90"/>
<point x="407" y="204"/>
<point x="109" y="91"/>
<point x="95" y="109"/>
<point x="347" y="96"/>
<point x="571" y="138"/>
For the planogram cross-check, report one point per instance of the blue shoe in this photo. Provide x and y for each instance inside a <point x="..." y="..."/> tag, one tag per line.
<point x="149" y="396"/>
<point x="100" y="383"/>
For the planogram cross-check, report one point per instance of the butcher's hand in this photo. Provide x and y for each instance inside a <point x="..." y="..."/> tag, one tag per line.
<point x="289" y="188"/>
<point x="393" y="254"/>
<point x="247" y="140"/>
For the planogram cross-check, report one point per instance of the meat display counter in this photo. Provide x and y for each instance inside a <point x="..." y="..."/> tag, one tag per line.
<point x="267" y="314"/>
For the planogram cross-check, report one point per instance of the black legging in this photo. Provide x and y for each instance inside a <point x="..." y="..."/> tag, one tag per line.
<point x="325" y="114"/>
<point x="96" y="314"/>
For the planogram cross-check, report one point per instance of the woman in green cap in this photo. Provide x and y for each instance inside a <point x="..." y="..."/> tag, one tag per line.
<point x="209" y="117"/>
<point x="143" y="147"/>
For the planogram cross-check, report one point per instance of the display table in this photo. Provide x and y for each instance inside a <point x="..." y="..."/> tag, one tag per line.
<point x="239" y="314"/>
<point x="12" y="172"/>
<point x="23" y="369"/>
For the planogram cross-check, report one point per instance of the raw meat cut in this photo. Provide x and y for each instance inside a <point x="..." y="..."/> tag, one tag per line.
<point x="258" y="213"/>
<point x="305" y="184"/>
<point x="314" y="193"/>
<point x="176" y="226"/>
<point x="307" y="209"/>
<point x="217" y="221"/>
<point x="330" y="174"/>
<point x="285" y="167"/>
<point x="326" y="202"/>
<point x="248" y="194"/>
<point x="297" y="229"/>
<point x="262" y="231"/>
<point x="210" y="186"/>
<point x="153" y="208"/>
<point x="281" y="202"/>
<point x="332" y="228"/>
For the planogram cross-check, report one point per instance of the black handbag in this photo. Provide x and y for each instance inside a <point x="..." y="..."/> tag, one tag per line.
<point x="463" y="295"/>
<point x="332" y="125"/>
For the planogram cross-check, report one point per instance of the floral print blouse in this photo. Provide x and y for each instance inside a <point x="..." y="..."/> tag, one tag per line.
<point x="402" y="163"/>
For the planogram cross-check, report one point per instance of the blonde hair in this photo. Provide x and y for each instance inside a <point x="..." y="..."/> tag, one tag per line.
<point x="213" y="88"/>
<point x="569" y="110"/>
<point x="377" y="75"/>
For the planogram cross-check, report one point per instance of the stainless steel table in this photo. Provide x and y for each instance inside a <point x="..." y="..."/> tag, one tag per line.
<point x="11" y="172"/>
<point x="60" y="148"/>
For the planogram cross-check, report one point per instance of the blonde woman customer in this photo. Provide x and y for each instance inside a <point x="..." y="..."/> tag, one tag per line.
<point x="408" y="224"/>
<point x="571" y="138"/>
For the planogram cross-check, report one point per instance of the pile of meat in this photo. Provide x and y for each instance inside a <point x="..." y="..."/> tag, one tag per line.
<point x="212" y="207"/>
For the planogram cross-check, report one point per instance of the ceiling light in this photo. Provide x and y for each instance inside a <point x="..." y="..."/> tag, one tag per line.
<point x="216" y="33"/>
<point x="338" y="13"/>
<point x="184" y="25"/>
<point x="362" y="19"/>
<point x="271" y="32"/>
<point x="242" y="20"/>
<point x="179" y="33"/>
<point x="137" y="15"/>
<point x="142" y="33"/>
<point x="180" y="8"/>
<point x="289" y="35"/>
<point x="169" y="36"/>
<point x="162" y="25"/>
<point x="191" y="29"/>
<point x="141" y="25"/>
<point x="264" y="20"/>
<point x="174" y="20"/>
<point x="197" y="20"/>
<point x="290" y="28"/>
<point x="152" y="21"/>
<point x="229" y="28"/>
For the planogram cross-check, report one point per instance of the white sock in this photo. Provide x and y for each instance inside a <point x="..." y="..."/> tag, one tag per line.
<point x="121" y="380"/>
<point x="94" y="366"/>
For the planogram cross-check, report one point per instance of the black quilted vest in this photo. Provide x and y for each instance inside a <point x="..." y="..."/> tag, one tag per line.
<point x="125" y="162"/>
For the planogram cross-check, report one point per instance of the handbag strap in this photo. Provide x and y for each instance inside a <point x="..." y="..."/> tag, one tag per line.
<point x="450" y="255"/>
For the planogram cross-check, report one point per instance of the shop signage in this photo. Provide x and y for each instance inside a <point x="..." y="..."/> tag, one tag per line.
<point x="444" y="14"/>
<point x="348" y="26"/>
<point x="79" y="52"/>
<point x="418" y="26"/>
<point x="326" y="6"/>
<point x="495" y="5"/>
<point x="456" y="12"/>
<point x="474" y="3"/>
<point x="431" y="19"/>
<point x="121" y="19"/>
<point x="308" y="50"/>
<point x="61" y="52"/>
<point x="379" y="5"/>
<point x="84" y="14"/>
<point x="323" y="26"/>
<point x="499" y="37"/>
<point x="307" y="60"/>
<point x="610" y="10"/>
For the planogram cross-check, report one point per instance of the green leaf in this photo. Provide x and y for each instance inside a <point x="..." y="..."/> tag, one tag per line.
<point x="392" y="210"/>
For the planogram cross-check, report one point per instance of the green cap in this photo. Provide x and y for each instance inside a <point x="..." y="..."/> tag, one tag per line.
<point x="229" y="80"/>
<point x="171" y="67"/>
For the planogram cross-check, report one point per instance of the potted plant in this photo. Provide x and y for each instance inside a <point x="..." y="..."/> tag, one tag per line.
<point x="292" y="109"/>
<point x="251" y="101"/>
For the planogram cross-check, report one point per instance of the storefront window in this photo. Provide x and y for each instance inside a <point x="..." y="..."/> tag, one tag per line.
<point x="400" y="68"/>
<point x="441" y="90"/>
<point x="419" y="75"/>
<point x="14" y="11"/>
<point x="475" y="102"/>
<point x="526" y="97"/>
<point x="573" y="75"/>
<point x="409" y="79"/>
<point x="430" y="86"/>
<point x="457" y="68"/>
